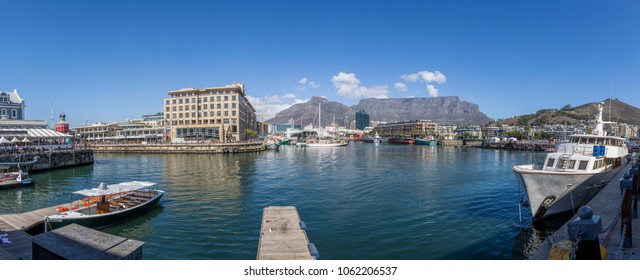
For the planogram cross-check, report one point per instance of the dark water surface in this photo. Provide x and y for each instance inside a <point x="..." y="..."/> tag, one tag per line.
<point x="359" y="202"/>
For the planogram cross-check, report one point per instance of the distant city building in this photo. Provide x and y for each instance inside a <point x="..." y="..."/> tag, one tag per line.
<point x="362" y="120"/>
<point x="417" y="127"/>
<point x="149" y="128"/>
<point x="157" y="117"/>
<point x="97" y="131"/>
<point x="221" y="113"/>
<point x="11" y="105"/>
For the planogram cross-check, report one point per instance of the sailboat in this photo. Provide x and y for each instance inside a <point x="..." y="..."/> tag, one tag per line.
<point x="323" y="143"/>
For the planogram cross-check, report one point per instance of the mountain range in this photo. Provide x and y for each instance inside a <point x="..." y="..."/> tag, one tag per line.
<point x="614" y="110"/>
<point x="443" y="110"/>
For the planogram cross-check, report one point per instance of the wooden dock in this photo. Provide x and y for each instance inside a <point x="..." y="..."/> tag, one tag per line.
<point x="15" y="225"/>
<point x="281" y="236"/>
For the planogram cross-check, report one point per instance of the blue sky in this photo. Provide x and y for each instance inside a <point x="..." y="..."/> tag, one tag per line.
<point x="116" y="60"/>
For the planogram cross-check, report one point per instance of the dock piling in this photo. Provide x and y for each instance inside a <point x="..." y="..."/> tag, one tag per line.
<point x="584" y="230"/>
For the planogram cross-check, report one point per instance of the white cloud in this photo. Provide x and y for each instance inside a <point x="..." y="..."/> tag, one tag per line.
<point x="349" y="86"/>
<point x="304" y="82"/>
<point x="400" y="87"/>
<point x="410" y="77"/>
<point x="432" y="90"/>
<point x="271" y="105"/>
<point x="425" y="76"/>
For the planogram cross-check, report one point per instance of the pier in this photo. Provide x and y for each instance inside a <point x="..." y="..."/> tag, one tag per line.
<point x="15" y="226"/>
<point x="605" y="204"/>
<point x="283" y="236"/>
<point x="189" y="148"/>
<point x="51" y="159"/>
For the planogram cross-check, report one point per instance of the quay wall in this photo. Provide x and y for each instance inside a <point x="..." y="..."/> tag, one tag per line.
<point x="52" y="159"/>
<point x="206" y="148"/>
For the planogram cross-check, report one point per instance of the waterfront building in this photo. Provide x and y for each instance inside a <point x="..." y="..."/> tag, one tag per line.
<point x="63" y="125"/>
<point x="11" y="105"/>
<point x="416" y="127"/>
<point x="97" y="131"/>
<point x="471" y="132"/>
<point x="219" y="113"/>
<point x="362" y="120"/>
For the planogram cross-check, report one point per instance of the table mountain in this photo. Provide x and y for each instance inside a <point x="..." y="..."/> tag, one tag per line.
<point x="443" y="110"/>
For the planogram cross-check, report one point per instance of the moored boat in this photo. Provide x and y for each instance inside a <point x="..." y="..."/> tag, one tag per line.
<point x="108" y="205"/>
<point x="401" y="140"/>
<point x="428" y="142"/>
<point x="573" y="173"/>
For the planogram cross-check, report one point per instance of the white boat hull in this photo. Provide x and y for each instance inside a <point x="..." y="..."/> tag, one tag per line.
<point x="551" y="193"/>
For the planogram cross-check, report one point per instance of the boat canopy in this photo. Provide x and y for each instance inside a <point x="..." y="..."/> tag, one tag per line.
<point x="104" y="189"/>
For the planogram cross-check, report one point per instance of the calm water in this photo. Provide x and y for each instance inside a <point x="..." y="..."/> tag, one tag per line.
<point x="359" y="202"/>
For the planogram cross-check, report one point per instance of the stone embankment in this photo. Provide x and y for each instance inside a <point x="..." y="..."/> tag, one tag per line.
<point x="199" y="148"/>
<point x="51" y="159"/>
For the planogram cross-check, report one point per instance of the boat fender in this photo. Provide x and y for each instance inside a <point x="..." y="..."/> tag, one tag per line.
<point x="313" y="250"/>
<point x="303" y="226"/>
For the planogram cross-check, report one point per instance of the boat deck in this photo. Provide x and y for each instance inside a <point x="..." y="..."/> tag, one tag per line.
<point x="281" y="237"/>
<point x="605" y="204"/>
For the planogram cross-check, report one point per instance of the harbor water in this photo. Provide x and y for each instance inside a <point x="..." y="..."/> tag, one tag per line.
<point x="360" y="202"/>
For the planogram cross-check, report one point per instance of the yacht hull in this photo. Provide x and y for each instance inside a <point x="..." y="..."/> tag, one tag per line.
<point x="551" y="193"/>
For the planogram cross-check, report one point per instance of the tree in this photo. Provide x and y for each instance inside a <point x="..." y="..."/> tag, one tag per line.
<point x="250" y="133"/>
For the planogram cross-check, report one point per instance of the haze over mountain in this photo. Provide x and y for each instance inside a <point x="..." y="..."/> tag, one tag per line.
<point x="443" y="110"/>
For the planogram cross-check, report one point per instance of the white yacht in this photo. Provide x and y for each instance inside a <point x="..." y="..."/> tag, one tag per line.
<point x="574" y="172"/>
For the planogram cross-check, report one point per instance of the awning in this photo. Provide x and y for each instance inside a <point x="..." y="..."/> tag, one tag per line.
<point x="4" y="140"/>
<point x="104" y="189"/>
<point x="46" y="133"/>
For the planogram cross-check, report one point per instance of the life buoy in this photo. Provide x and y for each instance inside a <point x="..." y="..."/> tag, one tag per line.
<point x="62" y="209"/>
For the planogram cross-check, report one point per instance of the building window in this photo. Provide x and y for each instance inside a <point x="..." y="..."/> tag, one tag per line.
<point x="219" y="106"/>
<point x="226" y="113"/>
<point x="219" y="114"/>
<point x="4" y="113"/>
<point x="167" y="116"/>
<point x="233" y="113"/>
<point x="167" y="109"/>
<point x="193" y="115"/>
<point x="233" y="98"/>
<point x="226" y="106"/>
<point x="166" y="102"/>
<point x="218" y="98"/>
<point x="193" y="100"/>
<point x="14" y="113"/>
<point x="233" y="105"/>
<point x="226" y="98"/>
<point x="174" y="101"/>
<point x="180" y="100"/>
<point x="193" y="107"/>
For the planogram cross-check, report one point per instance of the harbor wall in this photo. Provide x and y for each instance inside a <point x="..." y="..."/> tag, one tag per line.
<point x="202" y="148"/>
<point x="52" y="159"/>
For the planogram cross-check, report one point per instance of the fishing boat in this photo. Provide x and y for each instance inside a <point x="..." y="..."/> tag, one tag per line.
<point x="573" y="172"/>
<point x="428" y="142"/>
<point x="407" y="140"/>
<point x="107" y="205"/>
<point x="15" y="174"/>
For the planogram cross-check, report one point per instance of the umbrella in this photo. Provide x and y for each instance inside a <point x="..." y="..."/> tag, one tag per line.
<point x="4" y="140"/>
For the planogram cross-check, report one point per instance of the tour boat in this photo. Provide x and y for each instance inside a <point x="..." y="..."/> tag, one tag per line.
<point x="573" y="173"/>
<point x="107" y="205"/>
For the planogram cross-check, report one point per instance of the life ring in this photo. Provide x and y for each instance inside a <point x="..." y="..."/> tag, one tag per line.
<point x="62" y="209"/>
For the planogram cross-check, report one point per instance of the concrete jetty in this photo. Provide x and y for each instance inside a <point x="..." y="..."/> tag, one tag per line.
<point x="282" y="237"/>
<point x="605" y="204"/>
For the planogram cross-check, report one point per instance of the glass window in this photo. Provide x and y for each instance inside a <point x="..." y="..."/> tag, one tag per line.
<point x="226" y="113"/>
<point x="219" y="114"/>
<point x="233" y="98"/>
<point x="218" y="98"/>
<point x="193" y="107"/>
<point x="583" y="165"/>
<point x="166" y="102"/>
<point x="226" y="98"/>
<point x="233" y="113"/>
<point x="186" y="100"/>
<point x="167" y="109"/>
<point x="174" y="101"/>
<point x="550" y="162"/>
<point x="572" y="164"/>
<point x="193" y="100"/>
<point x="226" y="106"/>
<point x="233" y="105"/>
<point x="180" y="100"/>
<point x="219" y="106"/>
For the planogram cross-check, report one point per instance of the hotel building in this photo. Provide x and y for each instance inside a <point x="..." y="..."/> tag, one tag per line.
<point x="219" y="113"/>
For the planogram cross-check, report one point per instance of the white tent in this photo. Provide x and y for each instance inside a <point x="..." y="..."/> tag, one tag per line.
<point x="25" y="140"/>
<point x="15" y="140"/>
<point x="4" y="140"/>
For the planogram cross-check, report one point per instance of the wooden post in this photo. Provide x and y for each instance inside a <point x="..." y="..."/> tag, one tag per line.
<point x="634" y="176"/>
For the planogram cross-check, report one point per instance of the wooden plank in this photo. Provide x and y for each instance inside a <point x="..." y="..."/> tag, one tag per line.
<point x="281" y="237"/>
